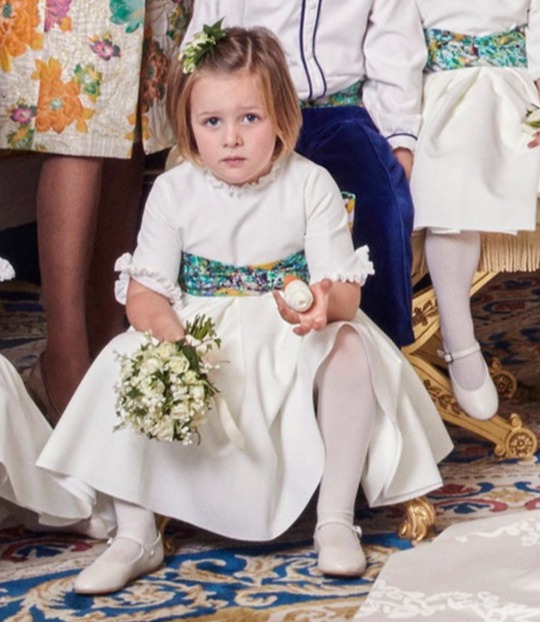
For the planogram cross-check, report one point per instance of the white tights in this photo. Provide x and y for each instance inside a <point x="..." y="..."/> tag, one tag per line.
<point x="135" y="521"/>
<point x="346" y="410"/>
<point x="452" y="261"/>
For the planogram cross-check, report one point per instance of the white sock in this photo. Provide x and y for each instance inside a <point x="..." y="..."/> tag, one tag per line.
<point x="346" y="407"/>
<point x="452" y="261"/>
<point x="133" y="521"/>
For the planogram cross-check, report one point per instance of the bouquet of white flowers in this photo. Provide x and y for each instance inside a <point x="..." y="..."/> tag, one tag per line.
<point x="165" y="391"/>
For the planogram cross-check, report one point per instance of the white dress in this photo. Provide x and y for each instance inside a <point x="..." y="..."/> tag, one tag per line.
<point x="473" y="169"/>
<point x="29" y="495"/>
<point x="267" y="374"/>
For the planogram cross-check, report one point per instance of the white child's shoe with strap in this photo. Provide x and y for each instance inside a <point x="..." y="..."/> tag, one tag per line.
<point x="339" y="559"/>
<point x="480" y="403"/>
<point x="119" y="565"/>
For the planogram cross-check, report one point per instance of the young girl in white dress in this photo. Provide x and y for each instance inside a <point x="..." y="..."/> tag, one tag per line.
<point x="317" y="397"/>
<point x="475" y="168"/>
<point x="30" y="496"/>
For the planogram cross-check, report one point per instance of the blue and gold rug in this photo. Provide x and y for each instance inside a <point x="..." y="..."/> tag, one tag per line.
<point x="209" y="578"/>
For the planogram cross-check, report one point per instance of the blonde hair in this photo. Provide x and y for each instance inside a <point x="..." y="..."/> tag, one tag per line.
<point x="256" y="50"/>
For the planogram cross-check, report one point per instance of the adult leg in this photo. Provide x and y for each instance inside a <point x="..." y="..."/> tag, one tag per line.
<point x="452" y="261"/>
<point x="118" y="213"/>
<point x="346" y="407"/>
<point x="67" y="201"/>
<point x="136" y="550"/>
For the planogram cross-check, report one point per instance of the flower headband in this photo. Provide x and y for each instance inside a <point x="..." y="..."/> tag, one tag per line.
<point x="202" y="43"/>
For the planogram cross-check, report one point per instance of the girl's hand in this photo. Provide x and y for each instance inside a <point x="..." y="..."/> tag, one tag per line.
<point x="535" y="142"/>
<point x="168" y="331"/>
<point x="149" y="311"/>
<point x="316" y="317"/>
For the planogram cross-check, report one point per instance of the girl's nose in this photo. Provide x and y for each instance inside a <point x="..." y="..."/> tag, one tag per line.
<point x="232" y="136"/>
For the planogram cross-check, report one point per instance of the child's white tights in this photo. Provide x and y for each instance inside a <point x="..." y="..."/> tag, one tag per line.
<point x="452" y="261"/>
<point x="135" y="521"/>
<point x="346" y="407"/>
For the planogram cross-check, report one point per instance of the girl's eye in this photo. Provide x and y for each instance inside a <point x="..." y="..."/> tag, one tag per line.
<point x="251" y="117"/>
<point x="212" y="121"/>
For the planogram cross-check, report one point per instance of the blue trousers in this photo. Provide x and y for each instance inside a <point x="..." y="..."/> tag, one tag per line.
<point x="345" y="141"/>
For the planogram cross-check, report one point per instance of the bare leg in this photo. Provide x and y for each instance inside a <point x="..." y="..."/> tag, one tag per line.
<point x="87" y="214"/>
<point x="346" y="408"/>
<point x="68" y="195"/>
<point x="118" y="214"/>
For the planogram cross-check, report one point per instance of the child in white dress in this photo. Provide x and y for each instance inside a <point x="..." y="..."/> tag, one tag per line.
<point x="475" y="168"/>
<point x="230" y="223"/>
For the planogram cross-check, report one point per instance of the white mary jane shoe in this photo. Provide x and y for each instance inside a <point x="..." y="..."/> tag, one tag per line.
<point x="340" y="561"/>
<point x="106" y="576"/>
<point x="481" y="403"/>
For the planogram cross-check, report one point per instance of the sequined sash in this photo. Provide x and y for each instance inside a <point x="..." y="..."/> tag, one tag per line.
<point x="451" y="50"/>
<point x="205" y="277"/>
<point x="351" y="96"/>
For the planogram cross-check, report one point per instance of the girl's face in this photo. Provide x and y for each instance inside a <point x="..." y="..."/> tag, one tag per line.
<point x="234" y="135"/>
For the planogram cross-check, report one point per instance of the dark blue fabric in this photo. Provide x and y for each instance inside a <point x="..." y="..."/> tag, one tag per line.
<point x="345" y="141"/>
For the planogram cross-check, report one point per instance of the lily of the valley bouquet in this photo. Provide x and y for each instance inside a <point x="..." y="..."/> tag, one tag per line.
<point x="531" y="123"/>
<point x="165" y="392"/>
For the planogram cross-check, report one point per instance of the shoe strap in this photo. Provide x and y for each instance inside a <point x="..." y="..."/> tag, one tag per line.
<point x="148" y="549"/>
<point x="450" y="357"/>
<point x="340" y="521"/>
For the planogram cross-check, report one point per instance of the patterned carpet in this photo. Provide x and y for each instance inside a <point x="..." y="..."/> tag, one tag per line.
<point x="209" y="578"/>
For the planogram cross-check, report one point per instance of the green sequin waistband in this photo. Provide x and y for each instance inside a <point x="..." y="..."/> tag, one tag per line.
<point x="451" y="50"/>
<point x="351" y="96"/>
<point x="205" y="277"/>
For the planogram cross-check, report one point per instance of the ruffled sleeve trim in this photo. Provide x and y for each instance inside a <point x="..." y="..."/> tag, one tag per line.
<point x="356" y="270"/>
<point x="6" y="270"/>
<point x="154" y="281"/>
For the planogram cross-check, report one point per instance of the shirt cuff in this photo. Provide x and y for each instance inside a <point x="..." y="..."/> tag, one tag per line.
<point x="402" y="139"/>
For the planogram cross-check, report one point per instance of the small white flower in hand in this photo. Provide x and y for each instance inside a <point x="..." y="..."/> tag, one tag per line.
<point x="297" y="294"/>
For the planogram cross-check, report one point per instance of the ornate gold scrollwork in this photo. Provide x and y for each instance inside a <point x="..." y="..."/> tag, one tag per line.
<point x="419" y="521"/>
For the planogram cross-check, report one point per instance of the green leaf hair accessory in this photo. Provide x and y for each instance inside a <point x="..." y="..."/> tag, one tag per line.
<point x="202" y="43"/>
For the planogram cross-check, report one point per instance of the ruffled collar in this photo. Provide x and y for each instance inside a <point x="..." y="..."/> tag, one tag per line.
<point x="234" y="190"/>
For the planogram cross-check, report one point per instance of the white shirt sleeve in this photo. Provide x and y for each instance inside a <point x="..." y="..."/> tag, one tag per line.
<point x="156" y="260"/>
<point x="328" y="244"/>
<point x="395" y="53"/>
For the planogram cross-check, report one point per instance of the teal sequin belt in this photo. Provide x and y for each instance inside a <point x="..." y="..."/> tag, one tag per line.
<point x="205" y="277"/>
<point x="451" y="50"/>
<point x="351" y="96"/>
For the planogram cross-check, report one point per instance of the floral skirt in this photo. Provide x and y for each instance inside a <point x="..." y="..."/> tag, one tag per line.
<point x="87" y="77"/>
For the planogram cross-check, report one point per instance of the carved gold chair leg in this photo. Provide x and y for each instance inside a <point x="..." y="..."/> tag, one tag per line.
<point x="505" y="382"/>
<point x="168" y="542"/>
<point x="419" y="521"/>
